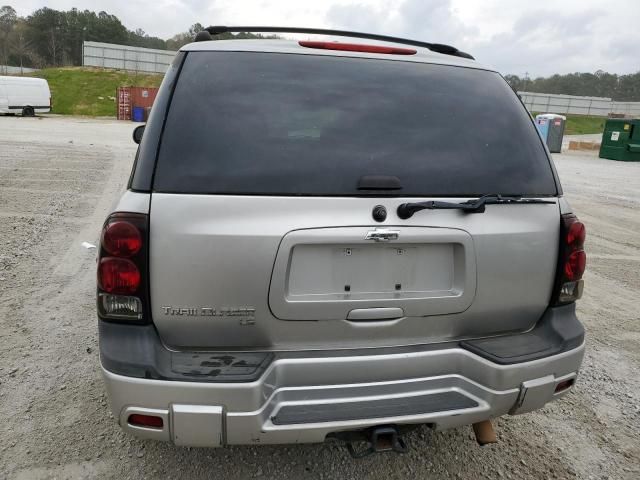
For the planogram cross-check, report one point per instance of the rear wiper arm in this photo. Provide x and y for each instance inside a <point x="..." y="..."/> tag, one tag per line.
<point x="406" y="210"/>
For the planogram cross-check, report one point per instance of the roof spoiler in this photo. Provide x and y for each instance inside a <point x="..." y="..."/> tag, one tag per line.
<point x="209" y="32"/>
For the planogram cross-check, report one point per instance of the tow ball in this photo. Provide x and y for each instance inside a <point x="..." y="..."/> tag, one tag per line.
<point x="379" y="439"/>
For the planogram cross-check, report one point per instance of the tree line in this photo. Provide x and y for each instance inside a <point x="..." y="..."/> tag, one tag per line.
<point x="622" y="88"/>
<point x="50" y="37"/>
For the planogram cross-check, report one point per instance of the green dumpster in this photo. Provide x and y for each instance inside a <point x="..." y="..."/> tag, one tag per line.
<point x="621" y="140"/>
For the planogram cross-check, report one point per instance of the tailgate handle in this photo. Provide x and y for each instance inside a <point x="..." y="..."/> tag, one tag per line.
<point x="385" y="313"/>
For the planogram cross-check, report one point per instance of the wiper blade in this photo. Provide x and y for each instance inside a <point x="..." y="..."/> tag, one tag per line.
<point x="406" y="210"/>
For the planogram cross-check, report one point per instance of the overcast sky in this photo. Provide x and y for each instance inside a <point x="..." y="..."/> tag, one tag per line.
<point x="540" y="37"/>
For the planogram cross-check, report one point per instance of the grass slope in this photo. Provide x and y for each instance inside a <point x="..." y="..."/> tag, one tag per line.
<point x="89" y="91"/>
<point x="582" y="124"/>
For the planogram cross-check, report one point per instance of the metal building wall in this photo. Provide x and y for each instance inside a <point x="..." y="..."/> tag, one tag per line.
<point x="631" y="109"/>
<point x="596" y="106"/>
<point x="552" y="103"/>
<point x="123" y="57"/>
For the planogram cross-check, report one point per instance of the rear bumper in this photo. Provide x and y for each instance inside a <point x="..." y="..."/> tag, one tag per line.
<point x="300" y="398"/>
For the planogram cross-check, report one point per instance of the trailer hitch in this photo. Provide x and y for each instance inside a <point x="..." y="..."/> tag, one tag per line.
<point x="379" y="439"/>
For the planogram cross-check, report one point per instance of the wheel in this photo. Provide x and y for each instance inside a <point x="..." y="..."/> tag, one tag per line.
<point x="28" y="112"/>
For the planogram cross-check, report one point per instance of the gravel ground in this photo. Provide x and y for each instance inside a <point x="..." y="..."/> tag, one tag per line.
<point x="58" y="177"/>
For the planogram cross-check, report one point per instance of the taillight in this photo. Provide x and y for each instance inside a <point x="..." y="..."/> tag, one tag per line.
<point x="574" y="266"/>
<point x="357" y="47"/>
<point x="121" y="239"/>
<point x="122" y="266"/>
<point x="118" y="275"/>
<point x="576" y="233"/>
<point x="572" y="261"/>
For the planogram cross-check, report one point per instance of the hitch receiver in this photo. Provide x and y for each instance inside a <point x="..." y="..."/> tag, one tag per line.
<point x="380" y="439"/>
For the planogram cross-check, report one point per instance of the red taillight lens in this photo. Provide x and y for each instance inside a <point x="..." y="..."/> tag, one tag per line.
<point x="149" y="421"/>
<point x="121" y="239"/>
<point x="118" y="275"/>
<point x="576" y="235"/>
<point x="575" y="265"/>
<point x="356" y="47"/>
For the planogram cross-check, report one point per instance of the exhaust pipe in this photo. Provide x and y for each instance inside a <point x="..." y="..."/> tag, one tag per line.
<point x="485" y="433"/>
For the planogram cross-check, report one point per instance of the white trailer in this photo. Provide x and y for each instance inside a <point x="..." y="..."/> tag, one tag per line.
<point x="24" y="95"/>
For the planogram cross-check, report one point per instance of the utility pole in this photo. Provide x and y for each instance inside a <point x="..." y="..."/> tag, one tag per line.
<point x="84" y="31"/>
<point x="53" y="45"/>
<point x="20" y="49"/>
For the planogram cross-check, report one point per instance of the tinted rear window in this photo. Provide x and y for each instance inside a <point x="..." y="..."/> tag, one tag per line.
<point x="268" y="123"/>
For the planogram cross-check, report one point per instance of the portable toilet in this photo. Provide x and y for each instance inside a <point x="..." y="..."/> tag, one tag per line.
<point x="551" y="128"/>
<point x="542" y="124"/>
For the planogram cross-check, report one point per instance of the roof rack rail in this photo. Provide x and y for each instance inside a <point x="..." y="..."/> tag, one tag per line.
<point x="207" y="33"/>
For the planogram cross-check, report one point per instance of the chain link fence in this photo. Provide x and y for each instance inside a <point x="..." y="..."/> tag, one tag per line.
<point x="9" y="70"/>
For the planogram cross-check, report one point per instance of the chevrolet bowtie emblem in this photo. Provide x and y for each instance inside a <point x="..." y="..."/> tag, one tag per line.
<point x="382" y="235"/>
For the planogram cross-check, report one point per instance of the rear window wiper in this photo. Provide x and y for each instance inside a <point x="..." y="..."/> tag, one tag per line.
<point x="406" y="210"/>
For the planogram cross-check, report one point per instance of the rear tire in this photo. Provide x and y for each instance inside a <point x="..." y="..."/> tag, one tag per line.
<point x="28" y="112"/>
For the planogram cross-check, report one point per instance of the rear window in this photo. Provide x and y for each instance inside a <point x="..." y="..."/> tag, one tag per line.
<point x="285" y="124"/>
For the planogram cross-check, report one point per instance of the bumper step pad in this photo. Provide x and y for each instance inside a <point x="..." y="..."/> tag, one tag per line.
<point x="362" y="410"/>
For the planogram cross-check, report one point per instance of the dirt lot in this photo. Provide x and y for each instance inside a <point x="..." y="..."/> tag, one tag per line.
<point x="58" y="176"/>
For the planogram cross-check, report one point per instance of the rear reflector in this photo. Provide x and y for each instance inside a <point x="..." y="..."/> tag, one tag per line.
<point x="564" y="385"/>
<point x="148" y="421"/>
<point x="118" y="275"/>
<point x="356" y="47"/>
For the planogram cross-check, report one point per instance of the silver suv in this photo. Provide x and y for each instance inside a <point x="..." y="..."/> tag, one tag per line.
<point x="336" y="240"/>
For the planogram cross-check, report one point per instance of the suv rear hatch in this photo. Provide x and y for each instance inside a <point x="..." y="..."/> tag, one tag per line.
<point x="269" y="169"/>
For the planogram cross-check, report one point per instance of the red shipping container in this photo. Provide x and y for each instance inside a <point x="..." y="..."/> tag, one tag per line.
<point x="129" y="97"/>
<point x="123" y="96"/>
<point x="143" y="96"/>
